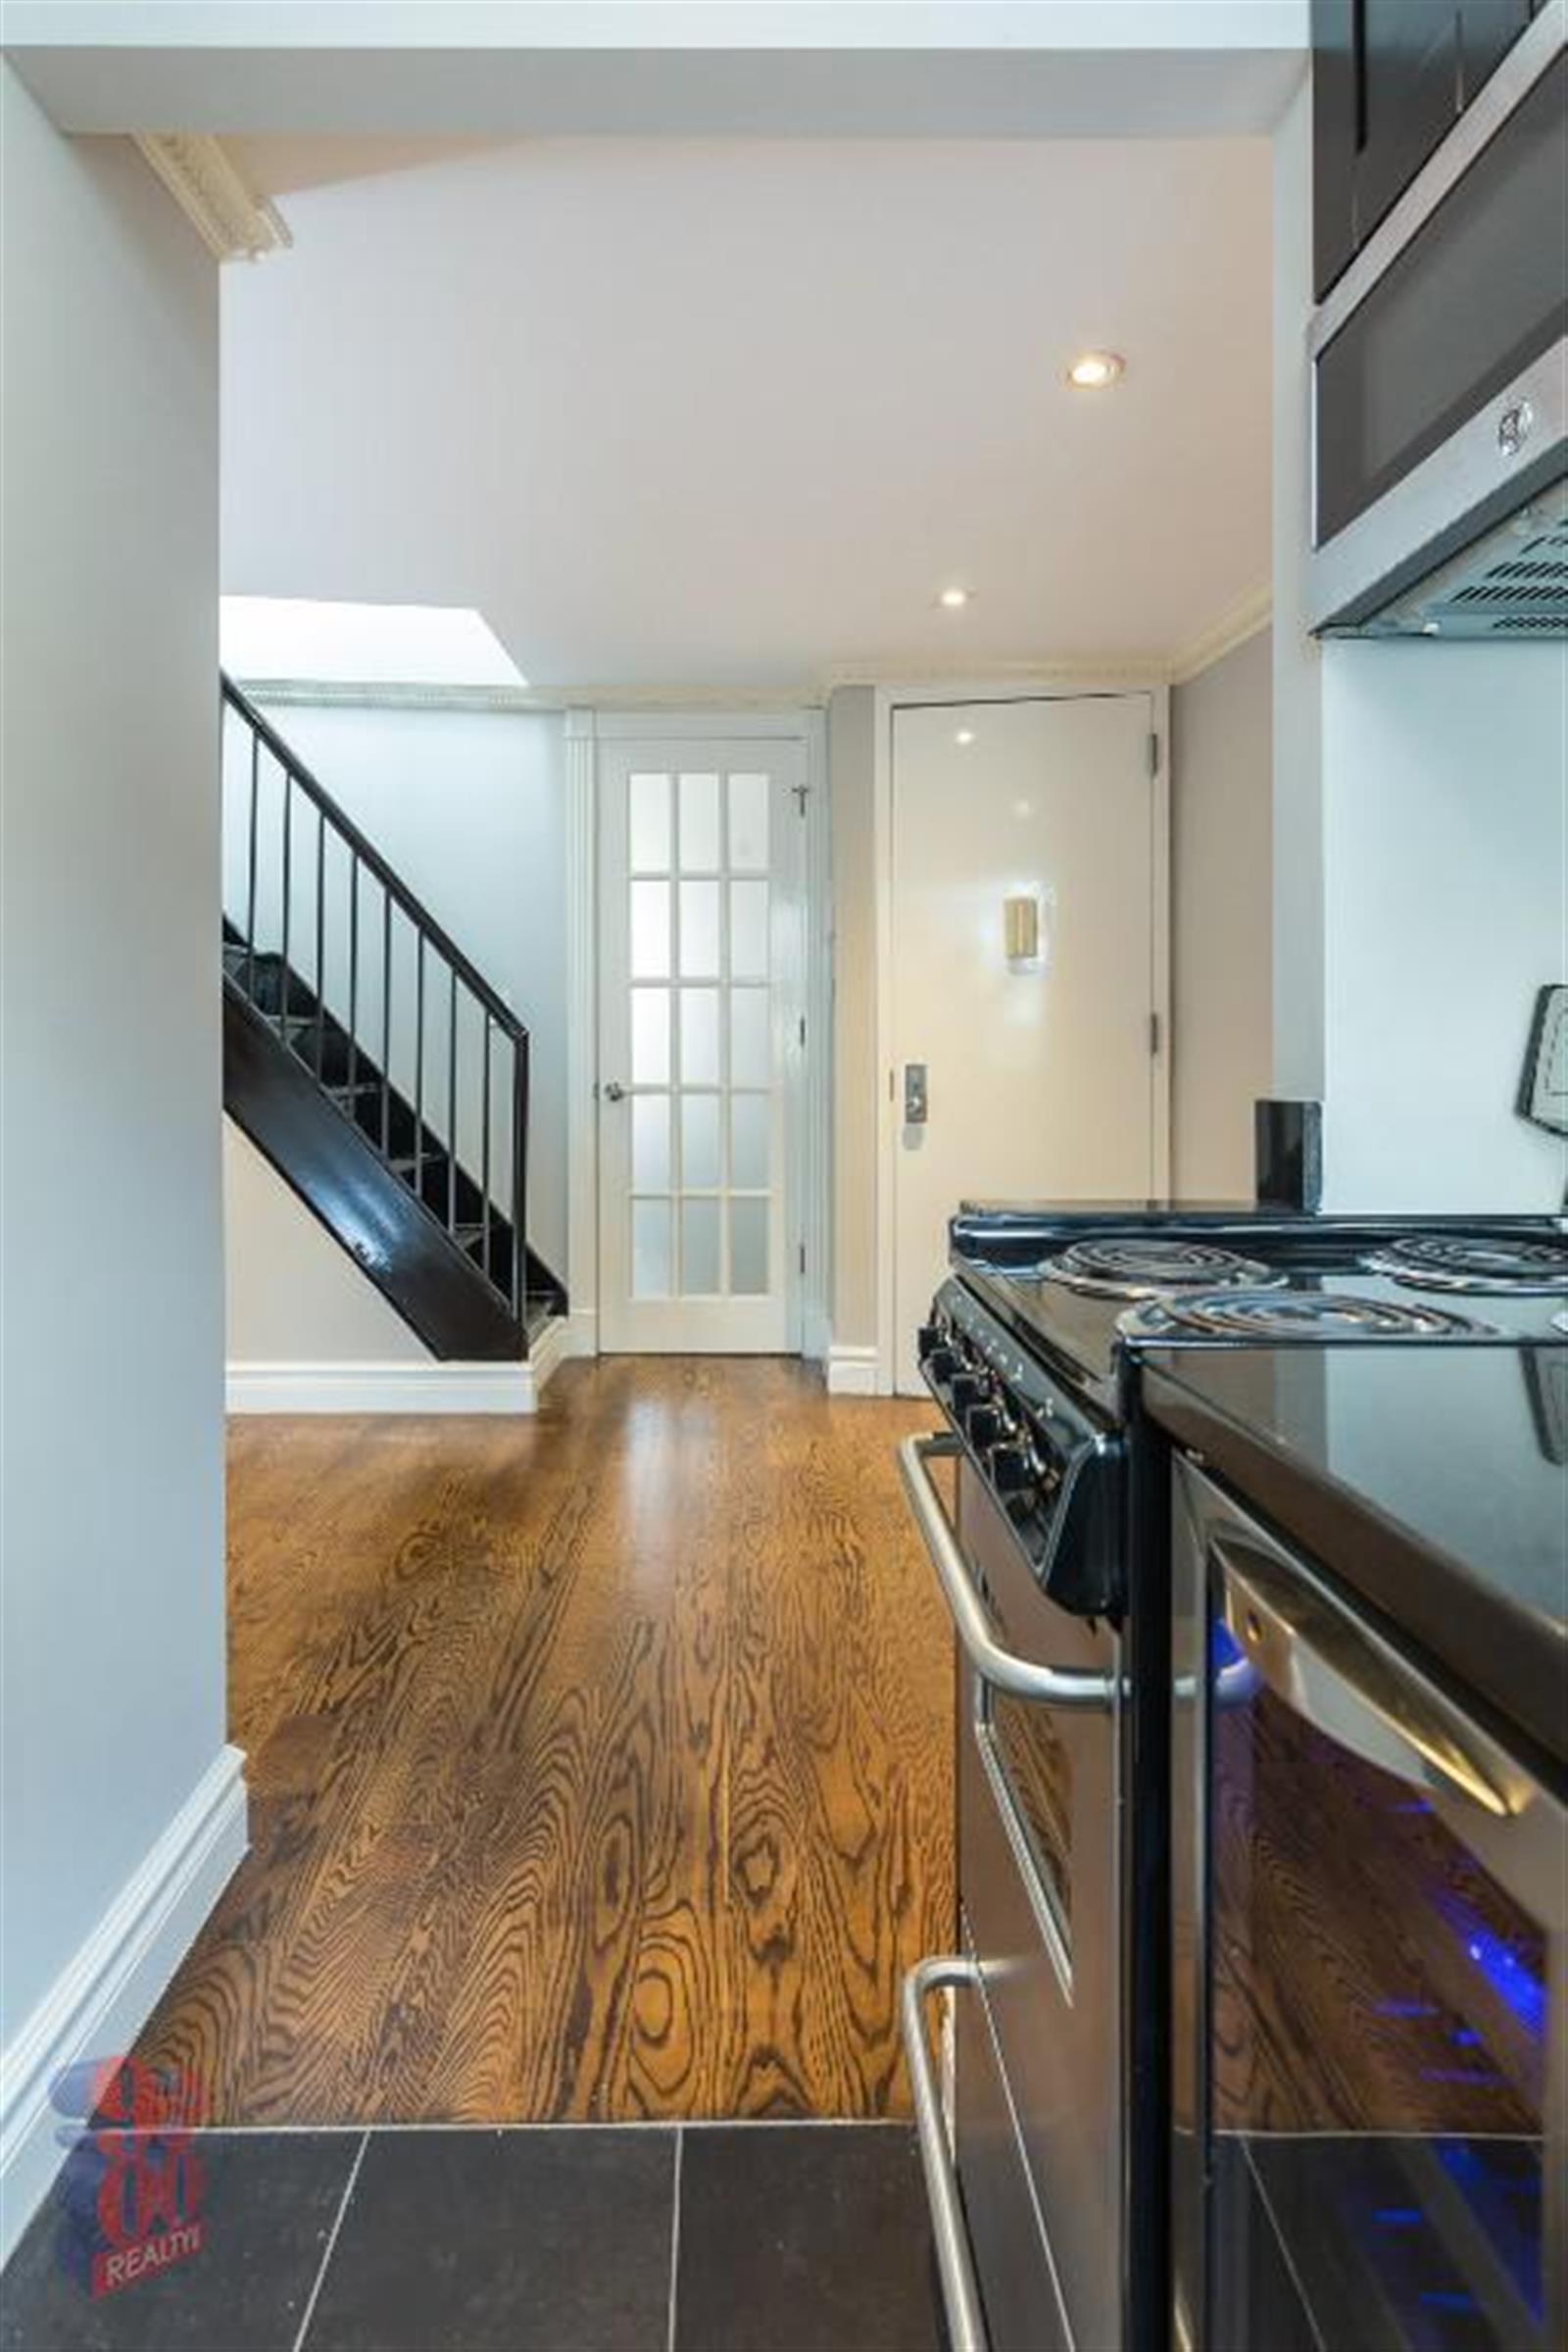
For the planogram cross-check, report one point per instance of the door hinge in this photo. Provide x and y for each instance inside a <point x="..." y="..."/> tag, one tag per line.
<point x="1154" y="754"/>
<point x="803" y="1033"/>
<point x="802" y="1257"/>
<point x="800" y="791"/>
<point x="1154" y="1033"/>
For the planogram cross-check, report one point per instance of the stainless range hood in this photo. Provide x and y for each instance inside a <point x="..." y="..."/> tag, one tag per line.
<point x="1511" y="582"/>
<point x="1440" y="382"/>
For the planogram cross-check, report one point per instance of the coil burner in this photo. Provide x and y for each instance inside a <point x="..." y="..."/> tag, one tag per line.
<point x="1442" y="1261"/>
<point x="1315" y="1316"/>
<point x="1147" y="1266"/>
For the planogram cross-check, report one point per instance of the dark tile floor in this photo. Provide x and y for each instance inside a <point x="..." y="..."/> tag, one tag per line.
<point x="747" y="2237"/>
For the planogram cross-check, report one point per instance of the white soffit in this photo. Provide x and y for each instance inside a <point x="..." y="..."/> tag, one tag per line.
<point x="968" y="69"/>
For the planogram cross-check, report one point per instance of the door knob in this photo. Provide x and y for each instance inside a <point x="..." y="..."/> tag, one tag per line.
<point x="615" y="1091"/>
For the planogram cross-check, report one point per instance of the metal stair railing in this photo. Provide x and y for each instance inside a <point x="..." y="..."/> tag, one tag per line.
<point x="306" y="895"/>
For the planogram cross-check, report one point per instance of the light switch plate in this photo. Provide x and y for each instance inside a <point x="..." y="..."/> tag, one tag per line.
<point x="1544" y="1086"/>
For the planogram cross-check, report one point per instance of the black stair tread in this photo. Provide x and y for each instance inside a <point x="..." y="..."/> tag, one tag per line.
<point x="330" y="1161"/>
<point x="315" y="1041"/>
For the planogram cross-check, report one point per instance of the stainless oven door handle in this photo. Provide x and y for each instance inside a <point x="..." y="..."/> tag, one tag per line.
<point x="961" y="2295"/>
<point x="1019" y="1678"/>
<point x="1348" y="1683"/>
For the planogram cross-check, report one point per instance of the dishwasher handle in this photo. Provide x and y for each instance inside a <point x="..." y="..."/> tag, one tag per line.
<point x="961" y="2293"/>
<point x="1002" y="1669"/>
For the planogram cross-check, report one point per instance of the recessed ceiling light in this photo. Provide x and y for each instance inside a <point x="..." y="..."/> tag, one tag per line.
<point x="953" y="598"/>
<point x="965" y="736"/>
<point x="1094" y="370"/>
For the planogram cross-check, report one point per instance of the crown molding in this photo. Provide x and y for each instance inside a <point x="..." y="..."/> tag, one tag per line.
<point x="809" y="695"/>
<point x="1119" y="669"/>
<point x="335" y="693"/>
<point x="1244" y="619"/>
<point x="231" y="222"/>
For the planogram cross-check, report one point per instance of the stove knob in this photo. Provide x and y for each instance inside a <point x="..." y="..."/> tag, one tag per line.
<point x="932" y="1337"/>
<point x="968" y="1389"/>
<point x="941" y="1365"/>
<point x="982" y="1426"/>
<point x="1011" y="1472"/>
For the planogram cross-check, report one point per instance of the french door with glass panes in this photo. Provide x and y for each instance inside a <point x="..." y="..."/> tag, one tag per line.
<point x="701" y="991"/>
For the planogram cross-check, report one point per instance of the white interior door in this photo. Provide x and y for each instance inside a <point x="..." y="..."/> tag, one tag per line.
<point x="701" y="991"/>
<point x="1039" y="1073"/>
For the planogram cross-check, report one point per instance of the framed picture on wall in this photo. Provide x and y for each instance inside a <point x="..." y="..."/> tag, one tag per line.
<point x="1544" y="1085"/>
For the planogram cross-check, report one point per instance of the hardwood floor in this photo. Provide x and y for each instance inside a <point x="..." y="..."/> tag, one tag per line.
<point x="600" y="1765"/>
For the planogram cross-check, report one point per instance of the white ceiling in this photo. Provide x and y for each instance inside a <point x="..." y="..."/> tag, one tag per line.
<point x="730" y="413"/>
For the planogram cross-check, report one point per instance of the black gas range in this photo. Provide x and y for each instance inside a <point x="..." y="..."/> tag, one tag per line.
<point x="1054" y="1545"/>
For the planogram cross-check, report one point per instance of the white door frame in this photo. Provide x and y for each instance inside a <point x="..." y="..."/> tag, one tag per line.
<point x="808" y="1103"/>
<point x="1045" y="687"/>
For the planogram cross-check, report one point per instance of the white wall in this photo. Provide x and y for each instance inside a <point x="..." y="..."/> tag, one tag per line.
<point x="1298" y="824"/>
<point x="851" y="782"/>
<point x="1222" y="920"/>
<point x="111" y="1450"/>
<point x="469" y="807"/>
<point x="1419" y="890"/>
<point x="1446" y="827"/>
<point x="294" y="1295"/>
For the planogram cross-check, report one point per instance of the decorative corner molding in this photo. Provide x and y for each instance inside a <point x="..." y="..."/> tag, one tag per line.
<point x="852" y="1371"/>
<point x="204" y="182"/>
<point x="1233" y="628"/>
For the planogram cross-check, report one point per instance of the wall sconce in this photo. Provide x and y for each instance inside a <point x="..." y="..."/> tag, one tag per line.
<point x="1020" y="927"/>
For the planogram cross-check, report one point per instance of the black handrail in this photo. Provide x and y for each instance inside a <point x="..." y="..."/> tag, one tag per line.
<point x="366" y="850"/>
<point x="394" y="1124"/>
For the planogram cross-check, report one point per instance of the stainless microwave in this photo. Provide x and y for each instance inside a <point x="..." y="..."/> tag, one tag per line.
<point x="1439" y="381"/>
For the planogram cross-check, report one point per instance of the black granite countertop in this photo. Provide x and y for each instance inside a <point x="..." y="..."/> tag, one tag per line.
<point x="1432" y="1481"/>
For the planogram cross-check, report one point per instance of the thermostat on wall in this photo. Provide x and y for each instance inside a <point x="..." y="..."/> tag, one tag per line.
<point x="1544" y="1087"/>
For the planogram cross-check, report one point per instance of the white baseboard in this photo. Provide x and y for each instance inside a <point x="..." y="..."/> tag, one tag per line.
<point x="582" y="1330"/>
<point x="104" y="1995"/>
<point x="392" y="1388"/>
<point x="550" y="1348"/>
<point x="851" y="1372"/>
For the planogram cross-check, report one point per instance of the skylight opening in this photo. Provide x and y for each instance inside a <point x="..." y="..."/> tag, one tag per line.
<point x="278" y="637"/>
